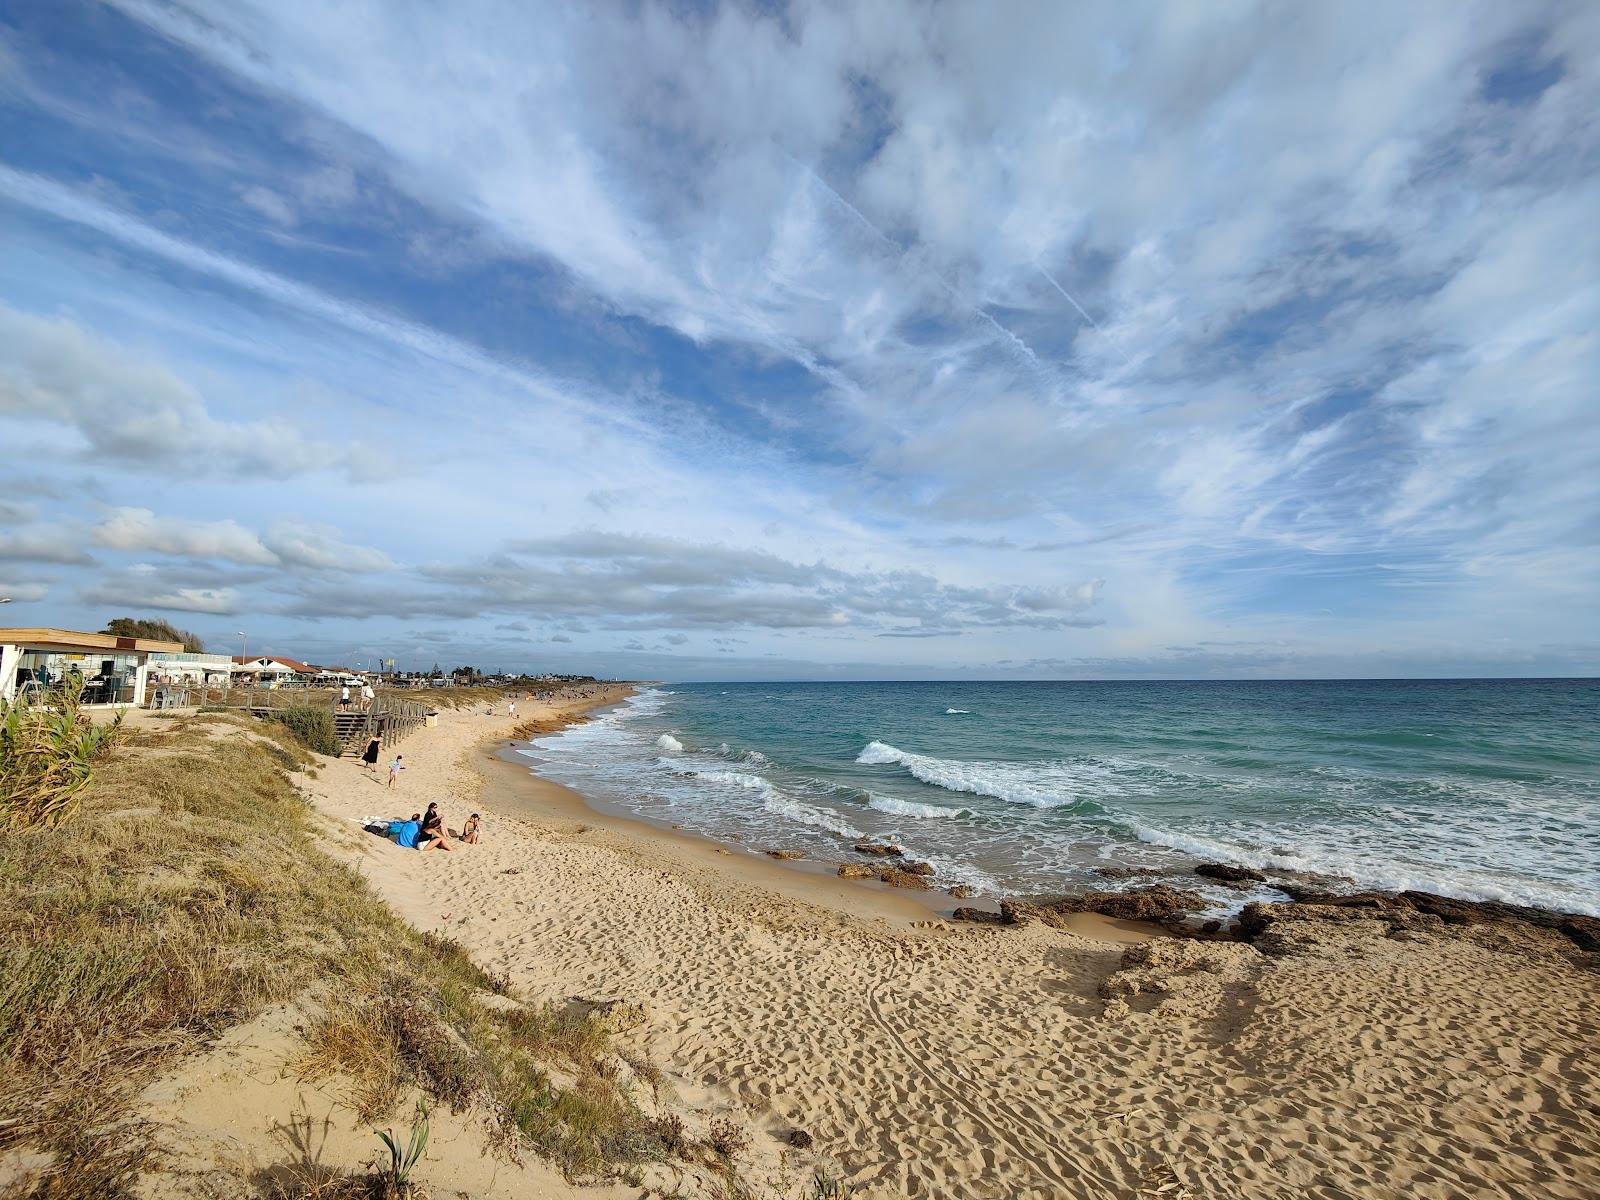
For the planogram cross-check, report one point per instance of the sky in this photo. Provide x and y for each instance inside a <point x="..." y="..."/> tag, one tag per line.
<point x="831" y="341"/>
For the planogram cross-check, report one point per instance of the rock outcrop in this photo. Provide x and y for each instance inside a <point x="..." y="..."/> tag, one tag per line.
<point x="1230" y="875"/>
<point x="879" y="849"/>
<point x="1155" y="903"/>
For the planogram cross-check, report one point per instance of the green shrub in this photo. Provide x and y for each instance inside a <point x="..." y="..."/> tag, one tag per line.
<point x="45" y="752"/>
<point x="312" y="727"/>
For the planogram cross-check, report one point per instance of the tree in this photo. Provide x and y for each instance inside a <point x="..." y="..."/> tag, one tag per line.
<point x="148" y="627"/>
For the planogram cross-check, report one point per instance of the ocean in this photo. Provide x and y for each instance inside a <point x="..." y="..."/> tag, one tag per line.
<point x="1480" y="789"/>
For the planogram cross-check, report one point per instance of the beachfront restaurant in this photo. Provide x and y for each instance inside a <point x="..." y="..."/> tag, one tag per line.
<point x="32" y="660"/>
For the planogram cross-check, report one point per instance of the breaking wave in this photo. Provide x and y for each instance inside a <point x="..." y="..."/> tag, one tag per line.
<point x="1039" y="785"/>
<point x="910" y="808"/>
<point x="669" y="743"/>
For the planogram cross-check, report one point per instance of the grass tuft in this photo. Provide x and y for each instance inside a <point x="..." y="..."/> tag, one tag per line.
<point x="46" y="756"/>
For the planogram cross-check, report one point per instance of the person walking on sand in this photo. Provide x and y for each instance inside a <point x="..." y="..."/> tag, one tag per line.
<point x="369" y="756"/>
<point x="395" y="768"/>
<point x="511" y="708"/>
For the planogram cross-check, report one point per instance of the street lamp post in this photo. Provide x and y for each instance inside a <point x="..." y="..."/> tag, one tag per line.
<point x="244" y="655"/>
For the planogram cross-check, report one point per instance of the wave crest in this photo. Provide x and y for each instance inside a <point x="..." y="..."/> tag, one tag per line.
<point x="1015" y="783"/>
<point x="910" y="808"/>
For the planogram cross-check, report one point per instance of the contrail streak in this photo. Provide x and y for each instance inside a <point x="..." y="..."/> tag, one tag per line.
<point x="1021" y="346"/>
<point x="1051" y="280"/>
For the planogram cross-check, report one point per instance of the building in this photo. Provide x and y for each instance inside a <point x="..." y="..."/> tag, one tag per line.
<point x="270" y="670"/>
<point x="190" y="668"/>
<point x="112" y="668"/>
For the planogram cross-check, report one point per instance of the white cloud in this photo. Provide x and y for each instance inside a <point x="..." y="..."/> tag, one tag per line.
<point x="319" y="548"/>
<point x="138" y="530"/>
<point x="270" y="205"/>
<point x="133" y="412"/>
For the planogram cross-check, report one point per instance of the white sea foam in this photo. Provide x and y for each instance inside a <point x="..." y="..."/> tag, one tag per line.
<point x="958" y="712"/>
<point x="910" y="808"/>
<point x="1038" y="785"/>
<point x="667" y="742"/>
<point x="1387" y="873"/>
<point x="780" y="805"/>
<point x="752" y="783"/>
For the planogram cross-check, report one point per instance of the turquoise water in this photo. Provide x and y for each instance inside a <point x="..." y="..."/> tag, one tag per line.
<point x="1477" y="789"/>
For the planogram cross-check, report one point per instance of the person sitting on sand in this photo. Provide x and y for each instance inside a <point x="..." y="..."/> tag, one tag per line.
<point x="369" y="756"/>
<point x="472" y="831"/>
<point x="434" y="835"/>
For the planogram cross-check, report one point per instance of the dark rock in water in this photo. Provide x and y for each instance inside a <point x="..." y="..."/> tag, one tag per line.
<point x="1212" y="926"/>
<point x="784" y="854"/>
<point x="1129" y="872"/>
<point x="978" y="916"/>
<point x="1225" y="873"/>
<point x="800" y="1139"/>
<point x="903" y="879"/>
<point x="961" y="891"/>
<point x="917" y="868"/>
<point x="879" y="849"/>
<point x="856" y="871"/>
<point x="1156" y="903"/>
<point x="1585" y="931"/>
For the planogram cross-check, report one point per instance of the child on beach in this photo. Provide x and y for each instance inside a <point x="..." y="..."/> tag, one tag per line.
<point x="471" y="832"/>
<point x="395" y="768"/>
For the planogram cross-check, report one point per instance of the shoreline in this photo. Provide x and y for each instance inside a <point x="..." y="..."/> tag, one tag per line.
<point x="513" y="785"/>
<point x="1343" y="1055"/>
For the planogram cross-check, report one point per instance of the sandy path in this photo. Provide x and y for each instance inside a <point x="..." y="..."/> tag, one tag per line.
<point x="932" y="1059"/>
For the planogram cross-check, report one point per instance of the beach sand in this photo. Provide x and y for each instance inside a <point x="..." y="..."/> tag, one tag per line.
<point x="931" y="1058"/>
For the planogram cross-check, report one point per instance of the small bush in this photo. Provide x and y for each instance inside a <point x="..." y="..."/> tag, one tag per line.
<point x="728" y="1138"/>
<point x="45" y="752"/>
<point x="312" y="727"/>
<point x="669" y="1129"/>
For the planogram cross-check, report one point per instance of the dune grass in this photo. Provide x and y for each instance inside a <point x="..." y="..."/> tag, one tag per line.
<point x="47" y="754"/>
<point x="188" y="894"/>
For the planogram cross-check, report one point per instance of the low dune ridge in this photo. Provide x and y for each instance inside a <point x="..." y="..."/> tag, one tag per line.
<point x="924" y="1057"/>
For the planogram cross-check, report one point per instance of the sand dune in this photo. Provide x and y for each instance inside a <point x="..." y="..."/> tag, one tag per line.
<point x="928" y="1058"/>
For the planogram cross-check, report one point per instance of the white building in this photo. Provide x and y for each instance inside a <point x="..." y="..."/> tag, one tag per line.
<point x="111" y="668"/>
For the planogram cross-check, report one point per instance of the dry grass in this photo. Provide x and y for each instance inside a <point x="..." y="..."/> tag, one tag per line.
<point x="189" y="894"/>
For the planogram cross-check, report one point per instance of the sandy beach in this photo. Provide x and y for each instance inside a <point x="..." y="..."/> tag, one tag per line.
<point x="926" y="1057"/>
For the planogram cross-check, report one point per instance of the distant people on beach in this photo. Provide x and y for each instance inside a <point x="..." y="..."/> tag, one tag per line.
<point x="369" y="756"/>
<point x="511" y="708"/>
<point x="395" y="768"/>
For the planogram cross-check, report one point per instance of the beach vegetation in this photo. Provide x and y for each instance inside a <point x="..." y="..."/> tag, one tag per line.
<point x="150" y="627"/>
<point x="312" y="727"/>
<point x="47" y="755"/>
<point x="190" y="894"/>
<point x="395" y="1177"/>
<point x="727" y="1137"/>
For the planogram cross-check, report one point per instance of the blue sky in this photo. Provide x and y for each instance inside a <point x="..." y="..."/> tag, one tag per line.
<point x="821" y="341"/>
